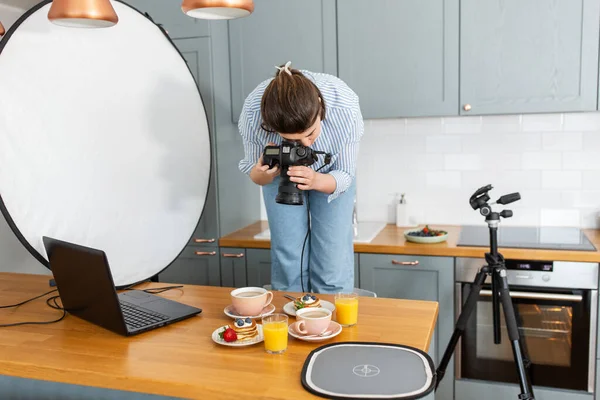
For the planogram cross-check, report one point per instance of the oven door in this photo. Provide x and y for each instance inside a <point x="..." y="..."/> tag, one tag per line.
<point x="556" y="335"/>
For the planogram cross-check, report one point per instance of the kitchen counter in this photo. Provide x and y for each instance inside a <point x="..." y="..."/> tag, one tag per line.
<point x="391" y="241"/>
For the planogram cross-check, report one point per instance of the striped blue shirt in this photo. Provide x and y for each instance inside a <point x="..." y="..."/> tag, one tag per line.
<point x="341" y="130"/>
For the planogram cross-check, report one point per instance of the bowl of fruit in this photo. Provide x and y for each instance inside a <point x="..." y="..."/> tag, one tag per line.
<point x="426" y="235"/>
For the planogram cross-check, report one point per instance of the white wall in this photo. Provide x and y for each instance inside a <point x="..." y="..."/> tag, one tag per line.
<point x="9" y="14"/>
<point x="13" y="256"/>
<point x="553" y="160"/>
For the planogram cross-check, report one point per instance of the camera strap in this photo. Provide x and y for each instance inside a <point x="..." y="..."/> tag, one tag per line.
<point x="327" y="159"/>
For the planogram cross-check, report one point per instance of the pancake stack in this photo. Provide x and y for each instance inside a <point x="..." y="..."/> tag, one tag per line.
<point x="246" y="331"/>
<point x="307" y="301"/>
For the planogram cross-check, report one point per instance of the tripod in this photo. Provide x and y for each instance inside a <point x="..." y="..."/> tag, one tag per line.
<point x="496" y="269"/>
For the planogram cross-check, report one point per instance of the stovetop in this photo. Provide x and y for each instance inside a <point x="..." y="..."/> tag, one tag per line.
<point x="551" y="238"/>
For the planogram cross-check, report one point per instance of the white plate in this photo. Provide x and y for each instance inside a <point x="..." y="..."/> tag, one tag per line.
<point x="230" y="312"/>
<point x="289" y="308"/>
<point x="424" y="239"/>
<point x="257" y="339"/>
<point x="334" y="327"/>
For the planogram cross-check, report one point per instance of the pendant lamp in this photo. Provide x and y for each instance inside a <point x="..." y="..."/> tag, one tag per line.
<point x="217" y="9"/>
<point x="83" y="13"/>
<point x="2" y="31"/>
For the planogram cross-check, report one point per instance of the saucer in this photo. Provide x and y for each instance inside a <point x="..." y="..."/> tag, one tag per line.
<point x="230" y="312"/>
<point x="289" y="308"/>
<point x="257" y="339"/>
<point x="334" y="327"/>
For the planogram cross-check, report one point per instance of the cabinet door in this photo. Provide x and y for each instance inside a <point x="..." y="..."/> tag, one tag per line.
<point x="197" y="53"/>
<point x="233" y="267"/>
<point x="168" y="13"/>
<point x="302" y="32"/>
<point x="195" y="266"/>
<point x="528" y="56"/>
<point x="417" y="278"/>
<point x="356" y="271"/>
<point x="258" y="266"/>
<point x="400" y="57"/>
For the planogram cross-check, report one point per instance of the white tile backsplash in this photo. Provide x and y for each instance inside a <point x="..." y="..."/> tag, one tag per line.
<point x="542" y="122"/>
<point x="582" y="122"/>
<point x="553" y="160"/>
<point x="542" y="161"/>
<point x="561" y="179"/>
<point x="562" y="141"/>
<point x="462" y="162"/>
<point x="560" y="217"/>
<point x="462" y="125"/>
<point x="443" y="144"/>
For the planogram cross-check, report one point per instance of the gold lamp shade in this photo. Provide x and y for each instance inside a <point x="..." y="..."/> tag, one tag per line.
<point x="2" y="31"/>
<point x="83" y="13"/>
<point x="217" y="9"/>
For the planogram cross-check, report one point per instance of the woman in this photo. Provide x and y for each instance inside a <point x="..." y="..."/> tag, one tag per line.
<point x="320" y="111"/>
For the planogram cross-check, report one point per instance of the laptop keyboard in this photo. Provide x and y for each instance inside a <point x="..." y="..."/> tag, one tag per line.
<point x="137" y="318"/>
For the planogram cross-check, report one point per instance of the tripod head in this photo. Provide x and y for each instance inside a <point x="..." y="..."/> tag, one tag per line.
<point x="479" y="200"/>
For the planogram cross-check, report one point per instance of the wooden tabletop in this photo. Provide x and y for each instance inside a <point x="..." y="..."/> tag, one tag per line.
<point x="181" y="360"/>
<point x="391" y="241"/>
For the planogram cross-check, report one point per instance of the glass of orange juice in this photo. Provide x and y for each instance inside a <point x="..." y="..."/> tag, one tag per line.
<point x="275" y="331"/>
<point x="346" y="309"/>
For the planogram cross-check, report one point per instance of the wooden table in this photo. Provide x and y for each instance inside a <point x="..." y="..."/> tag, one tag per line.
<point x="181" y="360"/>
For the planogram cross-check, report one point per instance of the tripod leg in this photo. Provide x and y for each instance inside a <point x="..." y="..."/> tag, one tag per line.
<point x="461" y="324"/>
<point x="496" y="308"/>
<point x="513" y="334"/>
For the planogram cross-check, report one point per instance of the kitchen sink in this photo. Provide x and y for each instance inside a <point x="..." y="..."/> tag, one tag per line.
<point x="366" y="232"/>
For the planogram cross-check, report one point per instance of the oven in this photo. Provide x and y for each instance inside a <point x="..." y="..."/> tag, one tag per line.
<point x="556" y="308"/>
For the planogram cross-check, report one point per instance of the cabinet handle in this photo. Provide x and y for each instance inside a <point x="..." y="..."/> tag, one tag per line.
<point x="204" y="240"/>
<point x="467" y="107"/>
<point x="230" y="255"/>
<point x="416" y="262"/>
<point x="205" y="253"/>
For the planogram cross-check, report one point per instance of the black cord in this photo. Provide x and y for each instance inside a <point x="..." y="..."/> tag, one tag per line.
<point x="304" y="245"/>
<point x="27" y="301"/>
<point x="48" y="300"/>
<point x="161" y="289"/>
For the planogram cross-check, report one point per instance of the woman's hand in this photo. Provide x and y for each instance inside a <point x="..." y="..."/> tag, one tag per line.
<point x="308" y="179"/>
<point x="262" y="175"/>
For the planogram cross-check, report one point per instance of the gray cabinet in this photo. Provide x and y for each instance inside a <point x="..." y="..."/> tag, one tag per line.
<point x="356" y="271"/>
<point x="417" y="278"/>
<point x="195" y="266"/>
<point x="532" y="56"/>
<point x="302" y="32"/>
<point x="196" y="52"/>
<point x="233" y="267"/>
<point x="168" y="14"/>
<point x="400" y="57"/>
<point x="258" y="267"/>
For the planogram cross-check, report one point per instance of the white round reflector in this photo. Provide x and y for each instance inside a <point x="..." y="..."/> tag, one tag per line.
<point x="104" y="140"/>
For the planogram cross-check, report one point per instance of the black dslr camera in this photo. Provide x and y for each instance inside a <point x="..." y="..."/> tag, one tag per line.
<point x="286" y="155"/>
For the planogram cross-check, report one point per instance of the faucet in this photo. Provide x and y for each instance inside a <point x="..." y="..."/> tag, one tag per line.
<point x="355" y="219"/>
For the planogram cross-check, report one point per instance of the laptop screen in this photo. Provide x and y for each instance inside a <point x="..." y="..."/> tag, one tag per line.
<point x="85" y="283"/>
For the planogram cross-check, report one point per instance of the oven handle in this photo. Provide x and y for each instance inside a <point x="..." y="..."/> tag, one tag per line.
<point x="539" y="296"/>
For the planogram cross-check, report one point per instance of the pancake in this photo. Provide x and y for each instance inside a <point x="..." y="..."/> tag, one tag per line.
<point x="245" y="332"/>
<point x="315" y="303"/>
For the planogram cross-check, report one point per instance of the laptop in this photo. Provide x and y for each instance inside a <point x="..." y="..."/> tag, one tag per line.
<point x="87" y="290"/>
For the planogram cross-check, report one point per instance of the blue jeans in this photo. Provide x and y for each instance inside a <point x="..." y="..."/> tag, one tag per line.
<point x="328" y="262"/>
